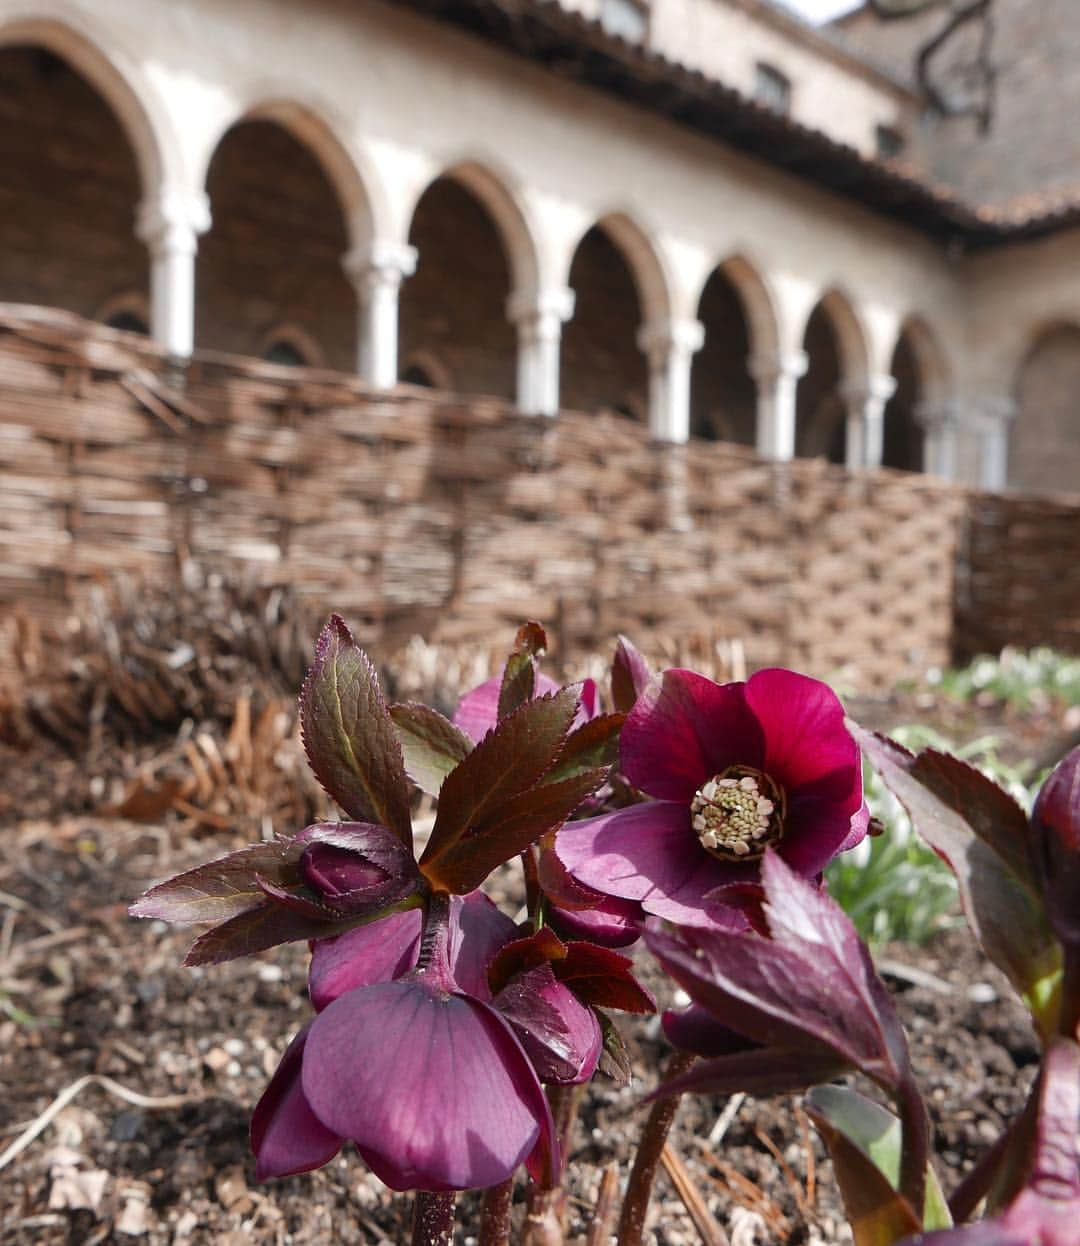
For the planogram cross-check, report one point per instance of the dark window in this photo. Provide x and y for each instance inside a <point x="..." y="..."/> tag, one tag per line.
<point x="629" y="19"/>
<point x="417" y="374"/>
<point x="772" y="88"/>
<point x="129" y="322"/>
<point x="890" y="142"/>
<point x="285" y="353"/>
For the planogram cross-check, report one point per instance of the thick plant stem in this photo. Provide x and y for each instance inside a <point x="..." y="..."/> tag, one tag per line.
<point x="914" y="1146"/>
<point x="647" y="1160"/>
<point x="433" y="1219"/>
<point x="495" y="1214"/>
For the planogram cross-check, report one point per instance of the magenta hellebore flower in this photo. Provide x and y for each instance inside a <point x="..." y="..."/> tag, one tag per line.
<point x="733" y="769"/>
<point x="478" y="710"/>
<point x="426" y="1078"/>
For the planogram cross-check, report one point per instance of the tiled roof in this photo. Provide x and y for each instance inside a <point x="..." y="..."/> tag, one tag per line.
<point x="580" y="49"/>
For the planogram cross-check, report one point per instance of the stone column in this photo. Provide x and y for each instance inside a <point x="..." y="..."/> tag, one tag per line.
<point x="376" y="273"/>
<point x="538" y="316"/>
<point x="777" y="379"/>
<point x="990" y="419"/>
<point x="670" y="348"/>
<point x="865" y="403"/>
<point x="941" y="425"/>
<point x="170" y="222"/>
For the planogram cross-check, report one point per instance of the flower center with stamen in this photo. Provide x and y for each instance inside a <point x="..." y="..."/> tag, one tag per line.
<point x="738" y="814"/>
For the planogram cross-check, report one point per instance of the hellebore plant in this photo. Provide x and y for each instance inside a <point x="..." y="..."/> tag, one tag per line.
<point x="450" y="1043"/>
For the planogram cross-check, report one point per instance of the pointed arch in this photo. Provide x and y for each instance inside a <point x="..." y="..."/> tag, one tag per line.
<point x="643" y="260"/>
<point x="497" y="193"/>
<point x="354" y="182"/>
<point x="851" y="337"/>
<point x="281" y="188"/>
<point x="758" y="304"/>
<point x="935" y="375"/>
<point x="133" y="102"/>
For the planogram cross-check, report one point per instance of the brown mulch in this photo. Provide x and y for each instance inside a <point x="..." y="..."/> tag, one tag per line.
<point x="89" y="991"/>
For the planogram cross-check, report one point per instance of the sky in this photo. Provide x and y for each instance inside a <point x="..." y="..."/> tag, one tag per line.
<point x="820" y="10"/>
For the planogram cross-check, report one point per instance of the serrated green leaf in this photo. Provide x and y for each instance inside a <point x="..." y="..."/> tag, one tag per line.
<point x="348" y="735"/>
<point x="431" y="745"/>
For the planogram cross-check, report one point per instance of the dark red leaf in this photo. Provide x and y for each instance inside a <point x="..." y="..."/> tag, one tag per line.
<point x="603" y="978"/>
<point x="506" y="830"/>
<point x="630" y="676"/>
<point x="982" y="835"/>
<point x="615" y="1062"/>
<point x="759" y="1071"/>
<point x="507" y="762"/>
<point x="348" y="735"/>
<point x="519" y="674"/>
<point x="593" y="744"/>
<point x="221" y="889"/>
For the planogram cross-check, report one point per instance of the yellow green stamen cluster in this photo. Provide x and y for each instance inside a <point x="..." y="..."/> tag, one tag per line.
<point x="738" y="814"/>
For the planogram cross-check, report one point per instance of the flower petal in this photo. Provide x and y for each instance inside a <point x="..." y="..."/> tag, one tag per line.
<point x="434" y="1089"/>
<point x="478" y="929"/>
<point x="695" y="1029"/>
<point x="379" y="952"/>
<point x="286" y="1136"/>
<point x="478" y="710"/>
<point x="683" y="730"/>
<point x="806" y="742"/>
<point x="822" y="830"/>
<point x="647" y="853"/>
<point x="561" y="1036"/>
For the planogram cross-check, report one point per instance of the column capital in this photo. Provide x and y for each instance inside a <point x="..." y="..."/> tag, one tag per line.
<point x="932" y="417"/>
<point x="767" y="367"/>
<point x="989" y="412"/>
<point x="382" y="264"/>
<point x="669" y="337"/>
<point x="553" y="304"/>
<point x="171" y="218"/>
<point x="870" y="389"/>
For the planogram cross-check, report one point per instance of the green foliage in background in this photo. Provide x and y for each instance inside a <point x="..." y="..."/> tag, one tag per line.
<point x="1017" y="678"/>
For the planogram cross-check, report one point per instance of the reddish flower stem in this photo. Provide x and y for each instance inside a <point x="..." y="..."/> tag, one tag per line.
<point x="433" y="1219"/>
<point x="495" y="1214"/>
<point x="647" y="1160"/>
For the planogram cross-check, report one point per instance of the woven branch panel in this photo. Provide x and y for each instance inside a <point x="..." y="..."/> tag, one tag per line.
<point x="456" y="518"/>
<point x="1019" y="581"/>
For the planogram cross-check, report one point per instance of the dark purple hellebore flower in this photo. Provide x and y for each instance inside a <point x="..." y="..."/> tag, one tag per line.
<point x="428" y="1081"/>
<point x="734" y="769"/>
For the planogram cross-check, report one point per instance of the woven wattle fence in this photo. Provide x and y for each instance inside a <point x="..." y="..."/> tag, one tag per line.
<point x="454" y="517"/>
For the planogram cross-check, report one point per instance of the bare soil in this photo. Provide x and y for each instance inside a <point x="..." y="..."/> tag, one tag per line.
<point x="87" y="990"/>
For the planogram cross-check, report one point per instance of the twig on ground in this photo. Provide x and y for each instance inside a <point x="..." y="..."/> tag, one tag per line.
<point x="708" y="1230"/>
<point x="42" y="1122"/>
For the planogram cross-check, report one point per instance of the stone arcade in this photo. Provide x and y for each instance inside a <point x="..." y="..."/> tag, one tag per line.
<point x="700" y="214"/>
